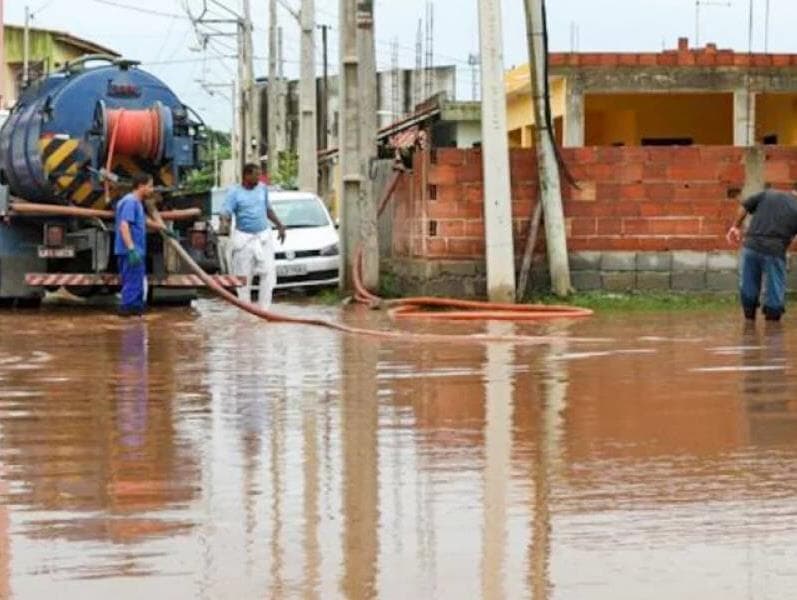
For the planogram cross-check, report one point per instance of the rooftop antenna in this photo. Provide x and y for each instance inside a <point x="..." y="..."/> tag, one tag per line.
<point x="698" y="4"/>
<point x="429" y="82"/>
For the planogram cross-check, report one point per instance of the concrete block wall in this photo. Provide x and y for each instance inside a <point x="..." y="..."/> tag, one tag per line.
<point x="641" y="218"/>
<point x="628" y="199"/>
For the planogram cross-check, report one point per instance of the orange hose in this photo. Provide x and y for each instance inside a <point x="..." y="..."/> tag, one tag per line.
<point x="450" y="309"/>
<point x="256" y="311"/>
<point x="138" y="132"/>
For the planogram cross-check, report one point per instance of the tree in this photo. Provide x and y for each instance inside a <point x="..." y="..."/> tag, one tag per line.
<point x="216" y="149"/>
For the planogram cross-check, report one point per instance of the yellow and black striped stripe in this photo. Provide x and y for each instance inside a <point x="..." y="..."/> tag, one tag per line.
<point x="66" y="162"/>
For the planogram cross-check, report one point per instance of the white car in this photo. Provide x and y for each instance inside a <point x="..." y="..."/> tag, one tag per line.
<point x="310" y="256"/>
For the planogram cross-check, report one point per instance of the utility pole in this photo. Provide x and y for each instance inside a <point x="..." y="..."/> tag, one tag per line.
<point x="308" y="134"/>
<point x="25" y="50"/>
<point x="350" y="158"/>
<point x="549" y="183"/>
<point x="325" y="89"/>
<point x="282" y="96"/>
<point x="251" y="130"/>
<point x="428" y="89"/>
<point x="273" y="158"/>
<point x="241" y="129"/>
<point x="2" y="56"/>
<point x="473" y="61"/>
<point x="417" y="89"/>
<point x="366" y="48"/>
<point x="495" y="155"/>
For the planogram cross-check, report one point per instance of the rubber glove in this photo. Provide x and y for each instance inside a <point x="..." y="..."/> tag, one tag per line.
<point x="134" y="258"/>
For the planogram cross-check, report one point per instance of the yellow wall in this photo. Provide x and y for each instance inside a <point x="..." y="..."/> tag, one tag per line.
<point x="776" y="114"/>
<point x="628" y="118"/>
<point x="520" y="110"/>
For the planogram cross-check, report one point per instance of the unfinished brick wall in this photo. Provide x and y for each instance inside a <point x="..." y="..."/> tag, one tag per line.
<point x="629" y="198"/>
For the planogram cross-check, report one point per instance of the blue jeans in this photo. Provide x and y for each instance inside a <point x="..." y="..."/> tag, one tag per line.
<point x="134" y="287"/>
<point x="756" y="266"/>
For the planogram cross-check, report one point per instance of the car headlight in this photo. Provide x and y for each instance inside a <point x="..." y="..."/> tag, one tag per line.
<point x="332" y="250"/>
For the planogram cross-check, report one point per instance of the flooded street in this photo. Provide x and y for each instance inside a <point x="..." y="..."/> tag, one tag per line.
<point x="203" y="454"/>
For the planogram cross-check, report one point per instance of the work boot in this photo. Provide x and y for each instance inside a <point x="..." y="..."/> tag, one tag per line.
<point x="772" y="314"/>
<point x="750" y="312"/>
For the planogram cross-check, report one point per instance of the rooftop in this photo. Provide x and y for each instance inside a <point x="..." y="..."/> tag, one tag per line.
<point x="68" y="38"/>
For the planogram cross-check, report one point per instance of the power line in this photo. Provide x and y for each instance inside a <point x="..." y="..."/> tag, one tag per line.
<point x="138" y="9"/>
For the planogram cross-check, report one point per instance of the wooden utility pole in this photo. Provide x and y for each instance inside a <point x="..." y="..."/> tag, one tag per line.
<point x="549" y="183"/>
<point x="271" y="91"/>
<point x="495" y="154"/>
<point x="308" y="134"/>
<point x="350" y="158"/>
<point x="366" y="49"/>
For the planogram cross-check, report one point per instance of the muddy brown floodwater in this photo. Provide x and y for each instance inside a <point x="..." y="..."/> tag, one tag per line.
<point x="203" y="454"/>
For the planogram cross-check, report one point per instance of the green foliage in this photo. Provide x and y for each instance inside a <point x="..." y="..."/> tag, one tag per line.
<point x="217" y="147"/>
<point x="644" y="302"/>
<point x="287" y="174"/>
<point x="389" y="286"/>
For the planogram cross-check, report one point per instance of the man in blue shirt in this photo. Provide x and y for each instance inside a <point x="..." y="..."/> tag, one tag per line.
<point x="130" y="246"/>
<point x="252" y="244"/>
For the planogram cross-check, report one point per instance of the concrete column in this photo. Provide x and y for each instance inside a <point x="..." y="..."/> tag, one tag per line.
<point x="574" y="119"/>
<point x="497" y="184"/>
<point x="744" y="118"/>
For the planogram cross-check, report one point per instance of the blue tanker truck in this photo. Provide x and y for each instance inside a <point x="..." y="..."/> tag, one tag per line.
<point x="67" y="150"/>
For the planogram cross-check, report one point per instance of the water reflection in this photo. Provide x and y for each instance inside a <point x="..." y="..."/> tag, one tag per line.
<point x="204" y="455"/>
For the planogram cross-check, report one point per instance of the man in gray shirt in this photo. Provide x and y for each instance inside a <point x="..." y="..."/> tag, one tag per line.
<point x="772" y="229"/>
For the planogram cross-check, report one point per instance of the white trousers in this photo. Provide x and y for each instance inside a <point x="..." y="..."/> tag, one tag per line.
<point x="253" y="255"/>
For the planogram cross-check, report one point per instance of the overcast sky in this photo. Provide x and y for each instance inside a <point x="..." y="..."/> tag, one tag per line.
<point x="162" y="38"/>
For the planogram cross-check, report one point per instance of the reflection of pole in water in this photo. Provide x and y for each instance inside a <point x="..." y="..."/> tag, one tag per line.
<point x="547" y="460"/>
<point x="311" y="515"/>
<point x="359" y="426"/>
<point x="276" y="471"/>
<point x="5" y="541"/>
<point x="498" y="451"/>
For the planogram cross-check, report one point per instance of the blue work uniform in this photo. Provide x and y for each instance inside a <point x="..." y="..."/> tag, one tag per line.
<point x="131" y="211"/>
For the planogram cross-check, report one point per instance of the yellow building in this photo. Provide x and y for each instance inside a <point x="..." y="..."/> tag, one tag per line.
<point x="685" y="96"/>
<point x="49" y="51"/>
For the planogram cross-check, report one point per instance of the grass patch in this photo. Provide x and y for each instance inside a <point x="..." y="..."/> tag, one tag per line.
<point x="389" y="286"/>
<point x="644" y="302"/>
<point x="328" y="297"/>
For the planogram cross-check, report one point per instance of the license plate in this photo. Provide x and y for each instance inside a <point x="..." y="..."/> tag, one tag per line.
<point x="291" y="270"/>
<point x="65" y="252"/>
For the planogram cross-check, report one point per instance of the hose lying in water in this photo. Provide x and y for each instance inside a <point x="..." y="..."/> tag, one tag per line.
<point x="255" y="310"/>
<point x="449" y="309"/>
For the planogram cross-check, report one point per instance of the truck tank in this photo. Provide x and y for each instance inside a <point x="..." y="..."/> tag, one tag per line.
<point x="58" y="138"/>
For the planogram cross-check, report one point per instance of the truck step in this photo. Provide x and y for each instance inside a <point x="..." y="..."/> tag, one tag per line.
<point x="106" y="280"/>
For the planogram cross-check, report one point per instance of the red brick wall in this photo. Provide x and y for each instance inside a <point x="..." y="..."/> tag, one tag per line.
<point x="630" y="198"/>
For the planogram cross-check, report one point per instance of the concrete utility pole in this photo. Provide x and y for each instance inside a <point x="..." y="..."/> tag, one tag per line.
<point x="550" y="185"/>
<point x="241" y="128"/>
<point x="325" y="89"/>
<point x="251" y="137"/>
<point x="495" y="144"/>
<point x="308" y="134"/>
<point x="282" y="97"/>
<point x="26" y="50"/>
<point x="350" y="158"/>
<point x="366" y="49"/>
<point x="271" y="135"/>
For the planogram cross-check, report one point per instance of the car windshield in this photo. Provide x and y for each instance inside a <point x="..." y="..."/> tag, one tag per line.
<point x="301" y="213"/>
